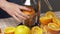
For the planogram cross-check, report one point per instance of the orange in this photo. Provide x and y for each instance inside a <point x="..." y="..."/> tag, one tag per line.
<point x="57" y="21"/>
<point x="36" y="30"/>
<point x="50" y="14"/>
<point x="29" y="13"/>
<point x="53" y="27"/>
<point x="9" y="30"/>
<point x="45" y="20"/>
<point x="22" y="29"/>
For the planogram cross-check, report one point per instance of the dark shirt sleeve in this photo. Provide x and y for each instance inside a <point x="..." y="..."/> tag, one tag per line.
<point x="20" y="2"/>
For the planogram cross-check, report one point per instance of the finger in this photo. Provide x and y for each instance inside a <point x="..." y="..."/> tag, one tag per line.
<point x="21" y="13"/>
<point x="16" y="18"/>
<point x="24" y="8"/>
<point x="19" y="16"/>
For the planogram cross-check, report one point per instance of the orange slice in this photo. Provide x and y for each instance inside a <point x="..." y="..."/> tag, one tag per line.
<point x="45" y="20"/>
<point x="36" y="30"/>
<point x="9" y="30"/>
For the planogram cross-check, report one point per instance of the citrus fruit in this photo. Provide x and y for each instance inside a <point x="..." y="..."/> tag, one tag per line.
<point x="50" y="14"/>
<point x="9" y="30"/>
<point x="56" y="20"/>
<point x="22" y="29"/>
<point x="45" y="20"/>
<point x="29" y="13"/>
<point x="53" y="27"/>
<point x="36" y="30"/>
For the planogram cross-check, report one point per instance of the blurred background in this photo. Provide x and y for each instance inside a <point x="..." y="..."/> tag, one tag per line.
<point x="54" y="3"/>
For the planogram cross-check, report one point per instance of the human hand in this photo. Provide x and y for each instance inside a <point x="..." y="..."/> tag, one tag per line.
<point x="15" y="10"/>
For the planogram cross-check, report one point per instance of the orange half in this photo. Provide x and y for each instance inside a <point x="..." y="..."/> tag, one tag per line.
<point x="53" y="27"/>
<point x="50" y="14"/>
<point x="36" y="30"/>
<point x="45" y="20"/>
<point x="9" y="30"/>
<point x="57" y="21"/>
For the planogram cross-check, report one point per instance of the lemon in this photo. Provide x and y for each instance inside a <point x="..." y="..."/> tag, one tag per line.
<point x="22" y="29"/>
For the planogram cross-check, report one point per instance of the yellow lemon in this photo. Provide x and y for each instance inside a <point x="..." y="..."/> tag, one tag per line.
<point x="22" y="29"/>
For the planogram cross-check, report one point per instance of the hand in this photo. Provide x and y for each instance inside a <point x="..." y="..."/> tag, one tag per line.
<point x="14" y="10"/>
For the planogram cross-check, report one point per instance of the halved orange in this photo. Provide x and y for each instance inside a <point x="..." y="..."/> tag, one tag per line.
<point x="57" y="21"/>
<point x="50" y="14"/>
<point x="45" y="20"/>
<point x="53" y="27"/>
<point x="9" y="30"/>
<point x="36" y="30"/>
